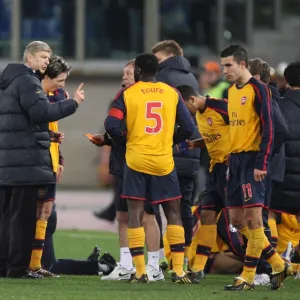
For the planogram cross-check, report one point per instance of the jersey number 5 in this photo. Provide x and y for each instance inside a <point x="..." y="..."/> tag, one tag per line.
<point x="151" y="115"/>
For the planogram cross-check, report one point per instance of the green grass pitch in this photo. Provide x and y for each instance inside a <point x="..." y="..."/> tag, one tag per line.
<point x="78" y="244"/>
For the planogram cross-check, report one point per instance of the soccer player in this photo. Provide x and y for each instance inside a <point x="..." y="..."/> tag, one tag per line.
<point x="288" y="231"/>
<point x="151" y="110"/>
<point x="287" y="236"/>
<point x="227" y="253"/>
<point x="227" y="240"/>
<point x="251" y="134"/>
<point x="124" y="268"/>
<point x="212" y="119"/>
<point x="52" y="84"/>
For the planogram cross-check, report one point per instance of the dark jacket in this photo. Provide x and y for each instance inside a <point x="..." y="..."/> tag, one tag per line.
<point x="281" y="131"/>
<point x="287" y="193"/>
<point x="24" y="135"/>
<point x="117" y="156"/>
<point x="187" y="163"/>
<point x="176" y="71"/>
<point x="117" y="153"/>
<point x="280" y="124"/>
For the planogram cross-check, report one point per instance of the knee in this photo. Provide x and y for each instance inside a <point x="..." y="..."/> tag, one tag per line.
<point x="122" y="218"/>
<point x="148" y="220"/>
<point x="208" y="217"/>
<point x="173" y="215"/>
<point x="237" y="222"/>
<point x="46" y="211"/>
<point x="135" y="213"/>
<point x="237" y="218"/>
<point x="172" y="212"/>
<point x="254" y="221"/>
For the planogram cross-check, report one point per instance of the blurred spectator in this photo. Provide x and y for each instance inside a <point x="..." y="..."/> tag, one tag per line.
<point x="175" y="20"/>
<point x="116" y="13"/>
<point x="211" y="81"/>
<point x="5" y="16"/>
<point x="189" y="22"/>
<point x="278" y="79"/>
<point x="105" y="37"/>
<point x="68" y="28"/>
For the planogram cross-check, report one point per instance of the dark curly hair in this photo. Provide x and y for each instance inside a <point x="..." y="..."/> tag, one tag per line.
<point x="292" y="74"/>
<point x="56" y="66"/>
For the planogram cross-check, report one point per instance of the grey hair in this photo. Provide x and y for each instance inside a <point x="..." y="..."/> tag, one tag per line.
<point x="131" y="62"/>
<point x="35" y="47"/>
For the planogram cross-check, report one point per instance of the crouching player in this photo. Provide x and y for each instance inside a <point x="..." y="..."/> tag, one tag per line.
<point x="212" y="120"/>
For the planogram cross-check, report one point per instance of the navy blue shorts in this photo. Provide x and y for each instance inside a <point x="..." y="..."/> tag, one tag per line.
<point x="214" y="195"/>
<point x="242" y="189"/>
<point x="47" y="193"/>
<point x="154" y="189"/>
<point x="121" y="203"/>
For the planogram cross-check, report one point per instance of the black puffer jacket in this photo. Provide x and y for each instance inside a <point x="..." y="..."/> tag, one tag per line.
<point x="286" y="194"/>
<point x="187" y="163"/>
<point x="281" y="132"/>
<point x="176" y="71"/>
<point x="24" y="135"/>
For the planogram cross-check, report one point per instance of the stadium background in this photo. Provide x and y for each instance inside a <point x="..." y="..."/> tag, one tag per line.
<point x="97" y="37"/>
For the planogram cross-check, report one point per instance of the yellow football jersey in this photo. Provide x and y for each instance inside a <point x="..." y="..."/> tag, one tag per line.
<point x="250" y="118"/>
<point x="288" y="231"/>
<point x="213" y="124"/>
<point x="54" y="147"/>
<point x="150" y="121"/>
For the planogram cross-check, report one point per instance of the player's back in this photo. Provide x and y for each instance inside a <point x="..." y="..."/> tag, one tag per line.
<point x="150" y="120"/>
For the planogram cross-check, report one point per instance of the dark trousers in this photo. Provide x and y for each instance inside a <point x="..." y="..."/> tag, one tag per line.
<point x="63" y="266"/>
<point x="17" y="228"/>
<point x="186" y="188"/>
<point x="265" y="212"/>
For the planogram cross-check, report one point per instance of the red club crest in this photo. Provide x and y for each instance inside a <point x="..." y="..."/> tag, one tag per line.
<point x="243" y="100"/>
<point x="209" y="121"/>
